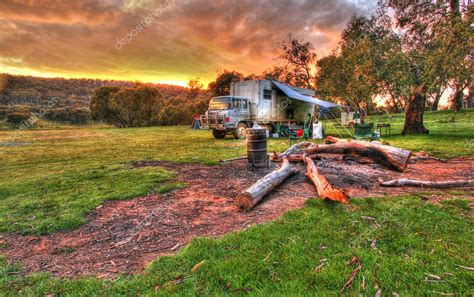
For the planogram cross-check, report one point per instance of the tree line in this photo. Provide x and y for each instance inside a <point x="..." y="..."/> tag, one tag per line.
<point x="144" y="105"/>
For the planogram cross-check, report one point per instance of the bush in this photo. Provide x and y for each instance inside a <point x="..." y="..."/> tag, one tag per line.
<point x="68" y="115"/>
<point x="79" y="115"/>
<point x="17" y="114"/>
<point x="3" y="111"/>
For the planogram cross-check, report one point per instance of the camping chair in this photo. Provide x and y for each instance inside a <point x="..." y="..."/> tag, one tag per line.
<point x="363" y="131"/>
<point x="307" y="124"/>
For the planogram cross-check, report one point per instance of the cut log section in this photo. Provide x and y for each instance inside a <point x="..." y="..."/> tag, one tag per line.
<point x="323" y="187"/>
<point x="248" y="198"/>
<point x="388" y="156"/>
<point x="405" y="182"/>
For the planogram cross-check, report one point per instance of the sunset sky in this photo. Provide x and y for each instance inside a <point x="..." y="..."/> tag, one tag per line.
<point x="168" y="41"/>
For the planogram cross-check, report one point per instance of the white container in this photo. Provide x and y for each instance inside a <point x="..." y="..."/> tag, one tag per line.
<point x="318" y="131"/>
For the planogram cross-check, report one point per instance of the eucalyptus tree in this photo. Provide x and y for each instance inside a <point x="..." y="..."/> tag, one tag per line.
<point x="434" y="37"/>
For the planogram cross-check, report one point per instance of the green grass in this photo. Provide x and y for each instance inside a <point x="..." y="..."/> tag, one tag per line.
<point x="56" y="176"/>
<point x="413" y="239"/>
<point x="59" y="174"/>
<point x="446" y="139"/>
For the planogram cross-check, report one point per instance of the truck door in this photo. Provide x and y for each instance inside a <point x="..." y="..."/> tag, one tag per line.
<point x="235" y="113"/>
<point x="245" y="109"/>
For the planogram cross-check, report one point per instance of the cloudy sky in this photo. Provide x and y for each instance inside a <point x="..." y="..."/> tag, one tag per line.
<point x="167" y="41"/>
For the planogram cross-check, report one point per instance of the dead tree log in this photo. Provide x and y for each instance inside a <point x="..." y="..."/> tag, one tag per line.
<point x="323" y="187"/>
<point x="405" y="182"/>
<point x="296" y="148"/>
<point x="248" y="198"/>
<point x="295" y="158"/>
<point x="388" y="156"/>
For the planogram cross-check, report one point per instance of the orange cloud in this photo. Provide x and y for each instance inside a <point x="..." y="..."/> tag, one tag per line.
<point x="186" y="39"/>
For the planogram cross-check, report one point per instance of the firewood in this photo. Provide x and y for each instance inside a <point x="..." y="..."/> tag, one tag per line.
<point x="298" y="158"/>
<point x="388" y="156"/>
<point x="248" y="198"/>
<point x="323" y="187"/>
<point x="295" y="149"/>
<point x="405" y="182"/>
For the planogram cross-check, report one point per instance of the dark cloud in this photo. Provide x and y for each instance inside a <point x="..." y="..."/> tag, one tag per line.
<point x="168" y="40"/>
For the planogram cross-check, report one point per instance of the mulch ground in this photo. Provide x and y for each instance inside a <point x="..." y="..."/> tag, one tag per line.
<point x="122" y="237"/>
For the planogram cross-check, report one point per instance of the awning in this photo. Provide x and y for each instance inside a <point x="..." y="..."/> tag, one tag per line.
<point x="295" y="95"/>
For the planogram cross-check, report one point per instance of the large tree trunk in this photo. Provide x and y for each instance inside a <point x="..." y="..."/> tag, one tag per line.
<point x="414" y="110"/>
<point x="388" y="156"/>
<point x="248" y="198"/>
<point x="323" y="187"/>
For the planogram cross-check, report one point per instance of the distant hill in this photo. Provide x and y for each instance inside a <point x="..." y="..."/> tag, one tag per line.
<point x="30" y="90"/>
<point x="66" y="99"/>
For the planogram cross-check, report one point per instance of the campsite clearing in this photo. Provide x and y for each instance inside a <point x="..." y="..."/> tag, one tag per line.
<point x="71" y="173"/>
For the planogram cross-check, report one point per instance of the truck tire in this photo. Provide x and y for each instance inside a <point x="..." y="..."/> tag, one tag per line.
<point x="239" y="132"/>
<point x="218" y="134"/>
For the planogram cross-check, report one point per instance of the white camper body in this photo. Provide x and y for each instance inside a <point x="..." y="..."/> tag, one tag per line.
<point x="270" y="104"/>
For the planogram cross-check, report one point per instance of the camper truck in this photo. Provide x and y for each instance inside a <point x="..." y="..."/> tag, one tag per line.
<point x="270" y="104"/>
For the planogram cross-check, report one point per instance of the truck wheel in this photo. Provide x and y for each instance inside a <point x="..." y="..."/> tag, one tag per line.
<point x="218" y="134"/>
<point x="239" y="132"/>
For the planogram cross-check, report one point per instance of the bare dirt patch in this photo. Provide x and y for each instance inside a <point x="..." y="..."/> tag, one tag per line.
<point x="124" y="236"/>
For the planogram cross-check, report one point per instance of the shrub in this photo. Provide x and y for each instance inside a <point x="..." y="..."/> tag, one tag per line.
<point x="68" y="115"/>
<point x="17" y="114"/>
<point x="3" y="111"/>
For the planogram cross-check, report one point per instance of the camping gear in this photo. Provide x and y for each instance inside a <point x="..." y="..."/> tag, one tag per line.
<point x="196" y="124"/>
<point x="257" y="147"/>
<point x="347" y="118"/>
<point x="386" y="126"/>
<point x="318" y="131"/>
<point x="363" y="131"/>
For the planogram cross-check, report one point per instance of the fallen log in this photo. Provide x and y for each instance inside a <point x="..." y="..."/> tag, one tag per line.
<point x="298" y="158"/>
<point x="388" y="156"/>
<point x="405" y="182"/>
<point x="323" y="187"/>
<point x="295" y="149"/>
<point x="248" y="198"/>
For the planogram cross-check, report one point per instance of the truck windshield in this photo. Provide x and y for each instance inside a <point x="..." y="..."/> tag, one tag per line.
<point x="220" y="103"/>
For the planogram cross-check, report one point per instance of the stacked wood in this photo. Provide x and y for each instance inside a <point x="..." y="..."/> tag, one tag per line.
<point x="405" y="182"/>
<point x="323" y="187"/>
<point x="248" y="198"/>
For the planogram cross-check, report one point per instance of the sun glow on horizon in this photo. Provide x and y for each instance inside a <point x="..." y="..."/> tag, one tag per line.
<point x="46" y="74"/>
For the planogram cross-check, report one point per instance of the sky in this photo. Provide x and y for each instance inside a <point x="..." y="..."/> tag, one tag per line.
<point x="164" y="41"/>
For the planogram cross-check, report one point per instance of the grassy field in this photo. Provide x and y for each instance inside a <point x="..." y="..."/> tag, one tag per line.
<point x="407" y="241"/>
<point x="51" y="178"/>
